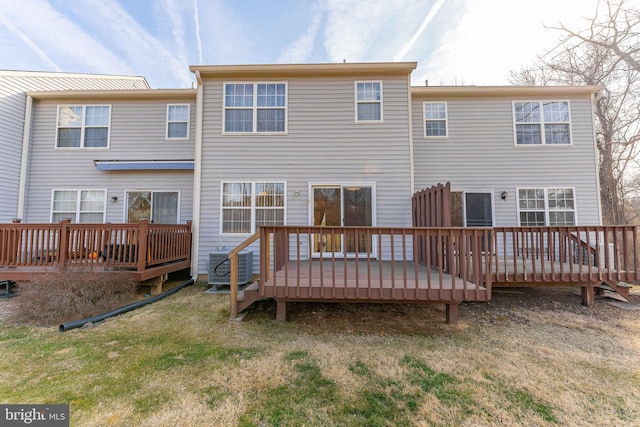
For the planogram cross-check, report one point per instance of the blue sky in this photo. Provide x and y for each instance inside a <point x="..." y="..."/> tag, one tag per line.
<point x="453" y="41"/>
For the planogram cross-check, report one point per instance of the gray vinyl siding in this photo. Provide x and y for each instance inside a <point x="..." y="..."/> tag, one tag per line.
<point x="479" y="154"/>
<point x="323" y="145"/>
<point x="13" y="85"/>
<point x="137" y="132"/>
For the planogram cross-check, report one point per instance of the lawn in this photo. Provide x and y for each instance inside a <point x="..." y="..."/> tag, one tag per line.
<point x="527" y="358"/>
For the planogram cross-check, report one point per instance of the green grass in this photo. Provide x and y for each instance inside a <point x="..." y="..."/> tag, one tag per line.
<point x="181" y="362"/>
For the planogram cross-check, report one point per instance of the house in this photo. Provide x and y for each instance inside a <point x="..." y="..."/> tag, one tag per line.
<point x="13" y="85"/>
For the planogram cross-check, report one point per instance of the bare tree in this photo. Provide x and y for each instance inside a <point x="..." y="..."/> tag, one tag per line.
<point x="606" y="53"/>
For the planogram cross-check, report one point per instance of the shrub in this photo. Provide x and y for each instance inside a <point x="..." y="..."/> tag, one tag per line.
<point x="61" y="297"/>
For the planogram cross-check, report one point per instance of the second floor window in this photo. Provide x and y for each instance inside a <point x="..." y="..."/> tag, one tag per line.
<point x="81" y="126"/>
<point x="435" y="119"/>
<point x="178" y="121"/>
<point x="368" y="101"/>
<point x="255" y="107"/>
<point x="542" y="123"/>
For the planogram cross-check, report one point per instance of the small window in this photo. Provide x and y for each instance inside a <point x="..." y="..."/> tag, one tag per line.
<point x="368" y="101"/>
<point x="546" y="206"/>
<point x="178" y="121"/>
<point x="542" y="123"/>
<point x="249" y="205"/>
<point x="80" y="206"/>
<point x="435" y="119"/>
<point x="255" y="108"/>
<point x="83" y="126"/>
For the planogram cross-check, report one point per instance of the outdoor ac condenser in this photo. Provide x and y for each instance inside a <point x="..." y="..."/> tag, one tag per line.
<point x="219" y="271"/>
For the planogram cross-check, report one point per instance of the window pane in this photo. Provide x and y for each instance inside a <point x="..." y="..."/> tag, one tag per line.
<point x="177" y="130"/>
<point x="435" y="111"/>
<point x="556" y="112"/>
<point x="69" y="116"/>
<point x="59" y="216"/>
<point x="138" y="206"/>
<point x="269" y="217"/>
<point x="97" y="116"/>
<point x="562" y="218"/>
<point x="528" y="134"/>
<point x="236" y="194"/>
<point x="69" y="137"/>
<point x="271" y="120"/>
<point x="92" y="201"/>
<point x="91" y="218"/>
<point x="65" y="201"/>
<point x="527" y="112"/>
<point x="369" y="91"/>
<point x="238" y="121"/>
<point x="556" y="134"/>
<point x="178" y="113"/>
<point x="96" y="137"/>
<point x="369" y="111"/>
<point x="435" y="128"/>
<point x="271" y="95"/>
<point x="532" y="218"/>
<point x="165" y="208"/>
<point x="236" y="220"/>
<point x="238" y="95"/>
<point x="270" y="194"/>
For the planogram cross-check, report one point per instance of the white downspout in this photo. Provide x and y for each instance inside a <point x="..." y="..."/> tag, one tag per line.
<point x="24" y="161"/>
<point x="197" y="178"/>
<point x="594" y="100"/>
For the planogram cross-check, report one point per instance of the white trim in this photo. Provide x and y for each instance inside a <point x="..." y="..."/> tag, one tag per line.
<point x="197" y="179"/>
<point x="83" y="127"/>
<point x="546" y="202"/>
<point x="542" y="123"/>
<point x="380" y="101"/>
<point x="24" y="160"/>
<point x="78" y="201"/>
<point x="166" y="132"/>
<point x="251" y="208"/>
<point x="446" y="121"/>
<point x="255" y="107"/>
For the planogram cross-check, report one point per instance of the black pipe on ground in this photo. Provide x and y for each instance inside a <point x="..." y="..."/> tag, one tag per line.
<point x="124" y="309"/>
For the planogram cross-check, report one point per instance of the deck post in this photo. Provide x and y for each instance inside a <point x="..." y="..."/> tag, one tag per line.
<point x="588" y="295"/>
<point x="452" y="313"/>
<point x="143" y="239"/>
<point x="63" y="244"/>
<point x="281" y="311"/>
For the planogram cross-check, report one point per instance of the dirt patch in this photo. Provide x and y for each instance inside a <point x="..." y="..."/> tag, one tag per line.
<point x="507" y="306"/>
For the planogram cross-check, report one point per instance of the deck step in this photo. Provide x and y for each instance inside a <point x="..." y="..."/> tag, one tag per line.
<point x="620" y="288"/>
<point x="248" y="289"/>
<point x="248" y="296"/>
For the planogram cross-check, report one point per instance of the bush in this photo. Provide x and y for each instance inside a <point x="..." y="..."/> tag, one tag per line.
<point x="61" y="297"/>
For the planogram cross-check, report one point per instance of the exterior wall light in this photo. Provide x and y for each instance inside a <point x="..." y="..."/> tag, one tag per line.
<point x="504" y="195"/>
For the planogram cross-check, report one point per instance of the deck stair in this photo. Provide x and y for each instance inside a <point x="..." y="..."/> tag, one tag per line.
<point x="248" y="296"/>
<point x="621" y="288"/>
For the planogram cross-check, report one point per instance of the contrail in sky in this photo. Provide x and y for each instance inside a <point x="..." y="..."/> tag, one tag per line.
<point x="405" y="49"/>
<point x="30" y="43"/>
<point x="197" y="19"/>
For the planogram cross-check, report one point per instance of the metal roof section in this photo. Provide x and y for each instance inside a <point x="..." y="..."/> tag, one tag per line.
<point x="167" y="94"/>
<point x="130" y="165"/>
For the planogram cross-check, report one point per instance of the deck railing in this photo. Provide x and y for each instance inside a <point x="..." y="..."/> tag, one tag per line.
<point x="571" y="254"/>
<point x="136" y="246"/>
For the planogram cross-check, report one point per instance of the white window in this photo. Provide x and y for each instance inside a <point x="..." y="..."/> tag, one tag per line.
<point x="435" y="119"/>
<point x="368" y="101"/>
<point x="255" y="107"/>
<point x="158" y="207"/>
<point x="82" y="206"/>
<point x="81" y="126"/>
<point x="178" y="121"/>
<point x="249" y="205"/>
<point x="542" y="123"/>
<point x="546" y="206"/>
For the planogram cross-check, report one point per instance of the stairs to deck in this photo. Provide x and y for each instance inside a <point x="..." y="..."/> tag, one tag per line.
<point x="248" y="296"/>
<point x="619" y="287"/>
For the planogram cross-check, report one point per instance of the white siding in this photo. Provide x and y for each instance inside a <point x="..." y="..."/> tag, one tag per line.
<point x="13" y="85"/>
<point x="137" y="132"/>
<point x="323" y="145"/>
<point x="480" y="154"/>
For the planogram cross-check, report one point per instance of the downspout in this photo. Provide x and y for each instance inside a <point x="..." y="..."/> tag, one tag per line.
<point x="197" y="179"/>
<point x="24" y="161"/>
<point x="411" y="165"/>
<point x="597" y="96"/>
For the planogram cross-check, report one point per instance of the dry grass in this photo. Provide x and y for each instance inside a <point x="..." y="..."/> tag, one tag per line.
<point x="181" y="362"/>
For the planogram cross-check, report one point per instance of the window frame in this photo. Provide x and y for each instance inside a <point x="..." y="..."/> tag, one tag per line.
<point x="255" y="108"/>
<point x="547" y="210"/>
<point x="83" y="127"/>
<point x="125" y="210"/>
<point x="253" y="208"/>
<point x="78" y="208"/>
<point x="188" y="122"/>
<point x="542" y="123"/>
<point x="365" y="101"/>
<point x="425" y="120"/>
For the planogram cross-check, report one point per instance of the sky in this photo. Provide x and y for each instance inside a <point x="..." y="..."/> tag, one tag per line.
<point x="461" y="42"/>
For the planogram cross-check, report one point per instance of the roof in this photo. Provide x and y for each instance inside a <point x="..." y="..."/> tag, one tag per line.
<point x="41" y="80"/>
<point x="324" y="69"/>
<point x="497" y="91"/>
<point x="165" y="94"/>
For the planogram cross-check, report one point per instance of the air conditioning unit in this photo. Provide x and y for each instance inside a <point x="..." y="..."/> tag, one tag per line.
<point x="220" y="273"/>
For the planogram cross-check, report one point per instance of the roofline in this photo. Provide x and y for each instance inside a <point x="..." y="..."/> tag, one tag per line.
<point x="341" y="68"/>
<point x="488" y="91"/>
<point x="115" y="94"/>
<point x="65" y="74"/>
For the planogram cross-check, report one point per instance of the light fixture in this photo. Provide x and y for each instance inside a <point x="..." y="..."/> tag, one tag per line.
<point x="504" y="195"/>
<point x="114" y="199"/>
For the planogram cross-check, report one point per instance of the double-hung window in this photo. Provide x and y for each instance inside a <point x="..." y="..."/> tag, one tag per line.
<point x="249" y="205"/>
<point x="255" y="107"/>
<point x="547" y="206"/>
<point x="178" y="121"/>
<point x="435" y="119"/>
<point x="542" y="122"/>
<point x="83" y="126"/>
<point x="81" y="206"/>
<point x="368" y="102"/>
